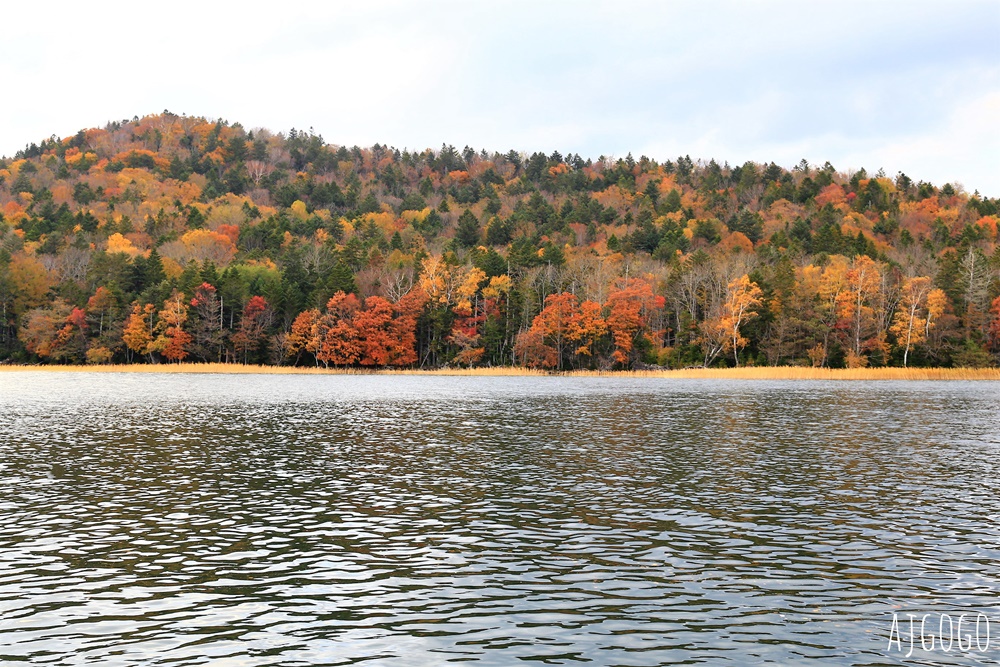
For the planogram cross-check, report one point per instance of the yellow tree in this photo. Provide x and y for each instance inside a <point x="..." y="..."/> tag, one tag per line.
<point x="468" y="288"/>
<point x="937" y="301"/>
<point x="909" y="323"/>
<point x="138" y="332"/>
<point x="465" y="329"/>
<point x="742" y="296"/>
<point x="854" y="307"/>
<point x="435" y="280"/>
<point x="937" y="304"/>
<point x="304" y="335"/>
<point x="829" y="283"/>
<point x="172" y="341"/>
<point x="451" y="291"/>
<point x="31" y="283"/>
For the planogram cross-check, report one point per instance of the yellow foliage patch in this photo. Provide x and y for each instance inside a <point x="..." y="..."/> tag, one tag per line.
<point x="613" y="197"/>
<point x="298" y="209"/>
<point x="415" y="216"/>
<point x="384" y="221"/>
<point x="172" y="269"/>
<point x="667" y="183"/>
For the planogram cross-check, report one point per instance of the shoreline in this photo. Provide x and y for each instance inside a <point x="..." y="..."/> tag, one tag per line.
<point x="745" y="373"/>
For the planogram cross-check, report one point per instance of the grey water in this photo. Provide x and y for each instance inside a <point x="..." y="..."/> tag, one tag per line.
<point x="327" y="520"/>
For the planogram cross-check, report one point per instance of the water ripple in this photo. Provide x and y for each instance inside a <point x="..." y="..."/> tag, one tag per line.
<point x="336" y="520"/>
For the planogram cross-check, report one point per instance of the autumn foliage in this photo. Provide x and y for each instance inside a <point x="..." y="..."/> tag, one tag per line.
<point x="172" y="238"/>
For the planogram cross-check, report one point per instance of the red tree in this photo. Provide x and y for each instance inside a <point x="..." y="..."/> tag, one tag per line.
<point x="630" y="308"/>
<point x="256" y="317"/>
<point x="340" y="344"/>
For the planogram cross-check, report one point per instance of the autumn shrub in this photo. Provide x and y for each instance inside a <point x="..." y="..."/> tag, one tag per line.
<point x="854" y="360"/>
<point x="99" y="355"/>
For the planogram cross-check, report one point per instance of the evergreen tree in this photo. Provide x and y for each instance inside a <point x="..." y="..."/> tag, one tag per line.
<point x="467" y="232"/>
<point x="340" y="279"/>
<point x="498" y="232"/>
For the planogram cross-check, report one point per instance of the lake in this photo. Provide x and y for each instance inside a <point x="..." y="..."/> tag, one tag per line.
<point x="406" y="520"/>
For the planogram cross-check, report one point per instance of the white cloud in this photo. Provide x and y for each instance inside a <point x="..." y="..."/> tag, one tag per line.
<point x="965" y="149"/>
<point x="875" y="84"/>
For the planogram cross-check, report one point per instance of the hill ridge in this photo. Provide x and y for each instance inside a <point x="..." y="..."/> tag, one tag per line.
<point x="549" y="260"/>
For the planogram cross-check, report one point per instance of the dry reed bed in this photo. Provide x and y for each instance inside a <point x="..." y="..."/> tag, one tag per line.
<point x="751" y="373"/>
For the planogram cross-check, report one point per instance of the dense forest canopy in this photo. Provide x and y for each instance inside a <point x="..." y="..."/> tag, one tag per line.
<point x="172" y="238"/>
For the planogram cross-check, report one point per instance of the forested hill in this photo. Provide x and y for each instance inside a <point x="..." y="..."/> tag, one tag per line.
<point x="174" y="238"/>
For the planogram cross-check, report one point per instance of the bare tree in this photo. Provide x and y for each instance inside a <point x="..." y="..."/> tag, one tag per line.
<point x="257" y="170"/>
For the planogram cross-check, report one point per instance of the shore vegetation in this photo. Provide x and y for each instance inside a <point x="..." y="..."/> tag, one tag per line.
<point x="171" y="239"/>
<point x="731" y="373"/>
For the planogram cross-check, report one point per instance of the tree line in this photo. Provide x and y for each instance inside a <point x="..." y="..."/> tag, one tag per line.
<point x="169" y="238"/>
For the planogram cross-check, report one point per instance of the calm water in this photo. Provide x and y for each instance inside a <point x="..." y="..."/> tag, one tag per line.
<point x="278" y="520"/>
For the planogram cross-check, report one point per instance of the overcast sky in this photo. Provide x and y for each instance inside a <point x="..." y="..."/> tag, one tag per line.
<point x="911" y="86"/>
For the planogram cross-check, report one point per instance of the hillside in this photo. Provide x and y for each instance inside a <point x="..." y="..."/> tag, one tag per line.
<point x="171" y="238"/>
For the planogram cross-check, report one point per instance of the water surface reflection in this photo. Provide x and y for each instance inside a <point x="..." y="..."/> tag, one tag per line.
<point x="280" y="520"/>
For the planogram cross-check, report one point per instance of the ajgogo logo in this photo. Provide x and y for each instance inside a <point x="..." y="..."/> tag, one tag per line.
<point x="963" y="634"/>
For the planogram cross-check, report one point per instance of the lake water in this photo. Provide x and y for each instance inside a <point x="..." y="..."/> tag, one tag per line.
<point x="327" y="520"/>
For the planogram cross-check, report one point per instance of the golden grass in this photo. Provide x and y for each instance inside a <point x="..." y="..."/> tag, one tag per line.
<point x="243" y="369"/>
<point x="806" y="373"/>
<point x="750" y="373"/>
<point x="229" y="369"/>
